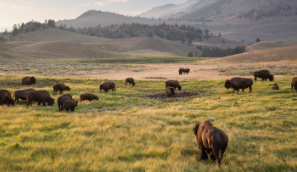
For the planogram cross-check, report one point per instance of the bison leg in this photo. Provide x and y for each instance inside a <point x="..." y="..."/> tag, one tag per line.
<point x="250" y="88"/>
<point x="203" y="155"/>
<point x="243" y="90"/>
<point x="61" y="91"/>
<point x="43" y="103"/>
<point x="217" y="155"/>
<point x="212" y="156"/>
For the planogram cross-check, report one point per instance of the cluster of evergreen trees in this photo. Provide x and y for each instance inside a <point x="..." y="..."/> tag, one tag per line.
<point x="220" y="52"/>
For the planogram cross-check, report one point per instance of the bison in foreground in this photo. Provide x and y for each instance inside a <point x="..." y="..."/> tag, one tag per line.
<point x="294" y="84"/>
<point x="62" y="99"/>
<point x="88" y="96"/>
<point x="210" y="140"/>
<point x="169" y="91"/>
<point x="60" y="87"/>
<point x="275" y="87"/>
<point x="5" y="98"/>
<point x="106" y="85"/>
<point x="173" y="83"/>
<point x="239" y="83"/>
<point x="130" y="81"/>
<point x="40" y="96"/>
<point x="21" y="94"/>
<point x="264" y="74"/>
<point x="70" y="104"/>
<point x="28" y="80"/>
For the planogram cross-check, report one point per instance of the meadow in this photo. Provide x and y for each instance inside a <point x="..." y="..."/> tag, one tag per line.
<point x="128" y="131"/>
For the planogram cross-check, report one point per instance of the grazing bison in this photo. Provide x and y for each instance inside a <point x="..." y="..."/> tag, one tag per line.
<point x="169" y="91"/>
<point x="5" y="98"/>
<point x="275" y="87"/>
<point x="21" y="94"/>
<point x="60" y="87"/>
<point x="62" y="99"/>
<point x="88" y="96"/>
<point x="239" y="83"/>
<point x="264" y="74"/>
<point x="294" y="84"/>
<point x="173" y="83"/>
<point x="210" y="140"/>
<point x="28" y="80"/>
<point x="107" y="86"/>
<point x="70" y="104"/>
<point x="130" y="81"/>
<point x="183" y="71"/>
<point x="40" y="96"/>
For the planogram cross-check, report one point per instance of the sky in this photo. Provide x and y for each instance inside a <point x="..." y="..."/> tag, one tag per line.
<point x="18" y="11"/>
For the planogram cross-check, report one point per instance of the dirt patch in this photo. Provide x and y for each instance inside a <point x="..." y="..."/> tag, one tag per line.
<point x="177" y="95"/>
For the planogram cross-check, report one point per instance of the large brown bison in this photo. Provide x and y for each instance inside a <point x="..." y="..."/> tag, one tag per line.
<point x="62" y="99"/>
<point x="183" y="71"/>
<point x="88" y="96"/>
<point x="210" y="140"/>
<point x="173" y="83"/>
<point x="28" y="80"/>
<point x="5" y="98"/>
<point x="264" y="74"/>
<point x="21" y="94"/>
<point x="60" y="87"/>
<point x="169" y="91"/>
<point x="294" y="84"/>
<point x="275" y="87"/>
<point x="107" y="85"/>
<point x="239" y="83"/>
<point x="40" y="96"/>
<point x="70" y="104"/>
<point x="130" y="81"/>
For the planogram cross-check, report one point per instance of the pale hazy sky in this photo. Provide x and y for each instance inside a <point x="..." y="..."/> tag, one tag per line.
<point x="18" y="11"/>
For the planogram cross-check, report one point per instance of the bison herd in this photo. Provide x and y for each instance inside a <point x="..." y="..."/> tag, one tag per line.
<point x="210" y="140"/>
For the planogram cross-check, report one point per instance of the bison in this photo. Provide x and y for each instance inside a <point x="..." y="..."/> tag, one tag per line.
<point x="130" y="81"/>
<point x="173" y="83"/>
<point x="183" y="71"/>
<point x="294" y="84"/>
<point x="62" y="99"/>
<point x="28" y="80"/>
<point x="21" y="94"/>
<point x="275" y="87"/>
<point x="40" y="96"/>
<point x="70" y="104"/>
<point x="239" y="83"/>
<point x="88" y="96"/>
<point x="264" y="74"/>
<point x="107" y="86"/>
<point x="169" y="91"/>
<point x="5" y="98"/>
<point x="60" y="87"/>
<point x="210" y="140"/>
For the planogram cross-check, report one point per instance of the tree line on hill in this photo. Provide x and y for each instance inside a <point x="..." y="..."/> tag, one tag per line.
<point x="217" y="52"/>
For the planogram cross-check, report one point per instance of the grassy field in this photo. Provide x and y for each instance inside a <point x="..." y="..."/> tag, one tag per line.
<point x="127" y="131"/>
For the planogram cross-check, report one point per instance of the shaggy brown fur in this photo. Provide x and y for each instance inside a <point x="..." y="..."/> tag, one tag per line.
<point x="294" y="84"/>
<point x="28" y="80"/>
<point x="173" y="83"/>
<point x="264" y="74"/>
<point x="183" y="71"/>
<point x="21" y="94"/>
<point x="107" y="86"/>
<point x="130" y="81"/>
<point x="70" y="104"/>
<point x="88" y="96"/>
<point x="5" y="98"/>
<point x="210" y="140"/>
<point x="62" y="99"/>
<point x="60" y="87"/>
<point x="275" y="87"/>
<point x="169" y="91"/>
<point x="239" y="83"/>
<point x="40" y="96"/>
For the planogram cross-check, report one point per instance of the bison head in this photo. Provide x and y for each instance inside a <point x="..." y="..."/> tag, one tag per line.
<point x="67" y="88"/>
<point x="179" y="88"/>
<point x="10" y="102"/>
<point x="228" y="84"/>
<point x="101" y="87"/>
<point x="271" y="77"/>
<point x="50" y="102"/>
<point x="195" y="129"/>
<point x="133" y="83"/>
<point x="96" y="98"/>
<point x="33" y="80"/>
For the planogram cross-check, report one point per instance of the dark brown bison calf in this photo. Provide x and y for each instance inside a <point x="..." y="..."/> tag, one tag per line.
<point x="264" y="74"/>
<point x="239" y="83"/>
<point x="63" y="99"/>
<point x="21" y="94"/>
<point x="169" y="91"/>
<point x="275" y="87"/>
<point x="40" y="96"/>
<point x="5" y="98"/>
<point x="28" y="80"/>
<point x="173" y="83"/>
<point x="106" y="85"/>
<point x="130" y="81"/>
<point x="70" y="104"/>
<point x="60" y="87"/>
<point x="210" y="140"/>
<point x="294" y="84"/>
<point x="88" y="96"/>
